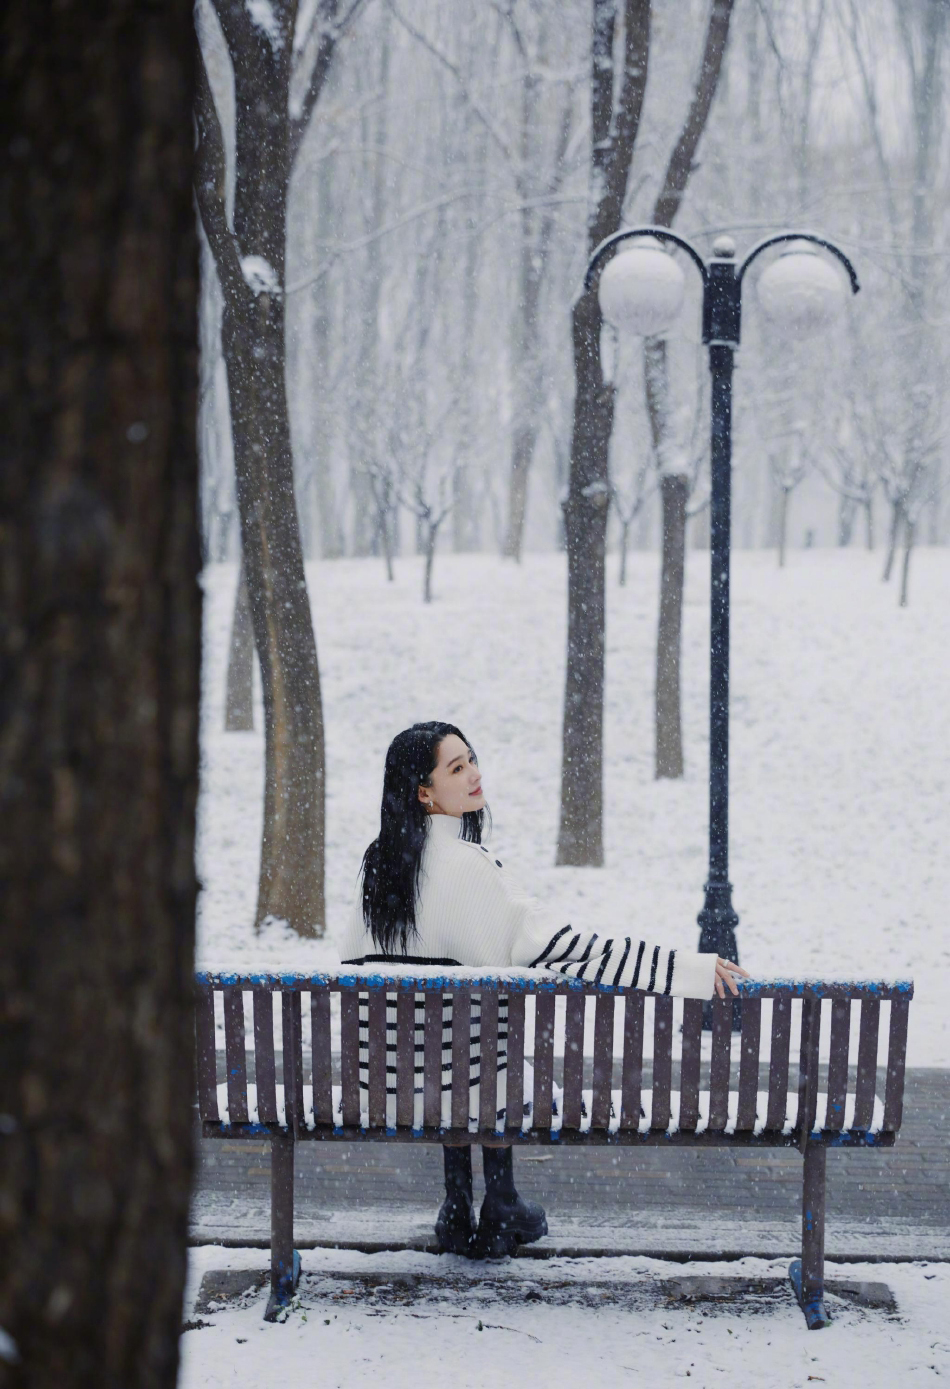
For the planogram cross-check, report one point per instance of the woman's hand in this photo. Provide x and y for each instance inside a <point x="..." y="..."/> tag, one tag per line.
<point x="725" y="969"/>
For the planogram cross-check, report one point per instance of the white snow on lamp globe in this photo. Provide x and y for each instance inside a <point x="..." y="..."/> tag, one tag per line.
<point x="641" y="289"/>
<point x="800" y="292"/>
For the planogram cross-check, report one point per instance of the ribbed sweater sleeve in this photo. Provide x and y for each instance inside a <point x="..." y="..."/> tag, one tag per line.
<point x="539" y="938"/>
<point x="611" y="958"/>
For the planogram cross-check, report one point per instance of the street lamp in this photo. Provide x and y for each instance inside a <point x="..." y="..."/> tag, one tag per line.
<point x="641" y="290"/>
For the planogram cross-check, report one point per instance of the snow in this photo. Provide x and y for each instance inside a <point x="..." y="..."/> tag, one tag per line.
<point x="840" y="756"/>
<point x="259" y="275"/>
<point x="641" y="289"/>
<point x="800" y="292"/>
<point x="263" y="17"/>
<point x="533" y="1322"/>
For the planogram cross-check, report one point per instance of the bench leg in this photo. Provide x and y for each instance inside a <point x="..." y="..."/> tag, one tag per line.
<point x="284" y="1259"/>
<point x="808" y="1273"/>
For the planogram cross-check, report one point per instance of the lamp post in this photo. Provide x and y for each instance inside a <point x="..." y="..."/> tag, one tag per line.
<point x="641" y="289"/>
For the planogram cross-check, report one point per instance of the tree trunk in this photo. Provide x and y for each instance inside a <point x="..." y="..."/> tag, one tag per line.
<point x="847" y="509"/>
<point x="430" y="559"/>
<point x="910" y="530"/>
<point x="782" y="524"/>
<point x="239" y="698"/>
<point x="580" y="839"/>
<point x="624" y="540"/>
<point x="528" y="385"/>
<point x="292" y="848"/>
<point x="250" y="262"/>
<point x="522" y="452"/>
<point x="869" y="523"/>
<point x="897" y="511"/>
<point x="669" y="735"/>
<point x="616" y="105"/>
<point x="99" y="679"/>
<point x="675" y="487"/>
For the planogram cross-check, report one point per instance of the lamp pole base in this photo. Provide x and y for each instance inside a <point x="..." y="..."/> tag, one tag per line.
<point x="718" y="921"/>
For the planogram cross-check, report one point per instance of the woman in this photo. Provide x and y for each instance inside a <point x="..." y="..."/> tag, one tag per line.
<point x="432" y="894"/>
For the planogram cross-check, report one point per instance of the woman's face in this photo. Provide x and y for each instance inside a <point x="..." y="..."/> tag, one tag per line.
<point x="455" y="785"/>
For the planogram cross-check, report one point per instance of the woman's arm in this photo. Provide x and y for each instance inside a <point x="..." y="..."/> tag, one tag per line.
<point x="600" y="957"/>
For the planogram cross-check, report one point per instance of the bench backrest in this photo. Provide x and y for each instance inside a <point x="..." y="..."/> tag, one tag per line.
<point x="697" y="1086"/>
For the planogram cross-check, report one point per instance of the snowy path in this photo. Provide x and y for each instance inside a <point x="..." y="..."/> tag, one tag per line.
<point x="537" y="1324"/>
<point x="841" y="755"/>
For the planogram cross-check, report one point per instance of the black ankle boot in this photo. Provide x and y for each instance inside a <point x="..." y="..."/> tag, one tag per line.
<point x="455" y="1225"/>
<point x="506" y="1220"/>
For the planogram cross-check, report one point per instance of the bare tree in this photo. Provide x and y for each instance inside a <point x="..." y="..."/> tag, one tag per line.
<point x="628" y="503"/>
<point x="675" y="494"/>
<point x="267" y="57"/>
<point x="99" y="681"/>
<point x="789" y="463"/>
<point x="618" y="84"/>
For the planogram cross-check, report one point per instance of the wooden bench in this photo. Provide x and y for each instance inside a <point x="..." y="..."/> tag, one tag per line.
<point x="703" y="1088"/>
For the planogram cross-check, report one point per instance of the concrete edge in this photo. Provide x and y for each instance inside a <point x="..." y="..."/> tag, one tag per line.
<point x="574" y="1251"/>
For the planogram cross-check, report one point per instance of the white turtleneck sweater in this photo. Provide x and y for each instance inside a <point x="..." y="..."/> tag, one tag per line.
<point x="469" y="912"/>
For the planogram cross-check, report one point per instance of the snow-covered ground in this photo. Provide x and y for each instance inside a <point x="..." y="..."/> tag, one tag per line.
<point x="840" y="776"/>
<point x="535" y="1323"/>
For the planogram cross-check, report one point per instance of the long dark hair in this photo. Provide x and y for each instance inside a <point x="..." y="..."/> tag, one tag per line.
<point x="391" y="863"/>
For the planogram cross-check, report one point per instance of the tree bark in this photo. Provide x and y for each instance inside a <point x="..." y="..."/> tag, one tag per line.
<point x="782" y="524"/>
<point x="250" y="260"/>
<point x="910" y="530"/>
<point x="430" y="559"/>
<point x="668" y="722"/>
<point x="847" y="510"/>
<point x="239" y="696"/>
<point x="897" y="512"/>
<point x="669" y="735"/>
<point x="615" y="120"/>
<point x="99" y="674"/>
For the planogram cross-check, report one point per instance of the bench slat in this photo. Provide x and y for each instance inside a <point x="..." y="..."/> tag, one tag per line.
<point x="205" y="1059"/>
<point x="690" y="1063"/>
<point x="631" y="1081"/>
<point x="720" y="1062"/>
<point x="461" y="1052"/>
<point x="662" y="1062"/>
<point x="575" y="1011"/>
<point x="321" y="1071"/>
<point x="235" y="1054"/>
<point x="514" y="1073"/>
<point x="896" y="1057"/>
<point x="265" y="1071"/>
<point x="603" y="1061"/>
<point x="292" y="1049"/>
<point x="432" y="1063"/>
<point x="376" y="1040"/>
<point x="866" y="1084"/>
<point x="778" y="1063"/>
<point x="749" y="1043"/>
<point x="350" y="1058"/>
<point x="808" y="1068"/>
<point x="543" y="1059"/>
<point x="838" y="1064"/>
<point x="405" y="1059"/>
<point x="488" y="1065"/>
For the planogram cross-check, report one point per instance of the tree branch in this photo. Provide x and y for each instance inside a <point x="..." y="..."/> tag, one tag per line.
<point x="329" y="27"/>
<point x="615" y="132"/>
<point x="210" y="183"/>
<point x="681" y="161"/>
<point x="471" y="100"/>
